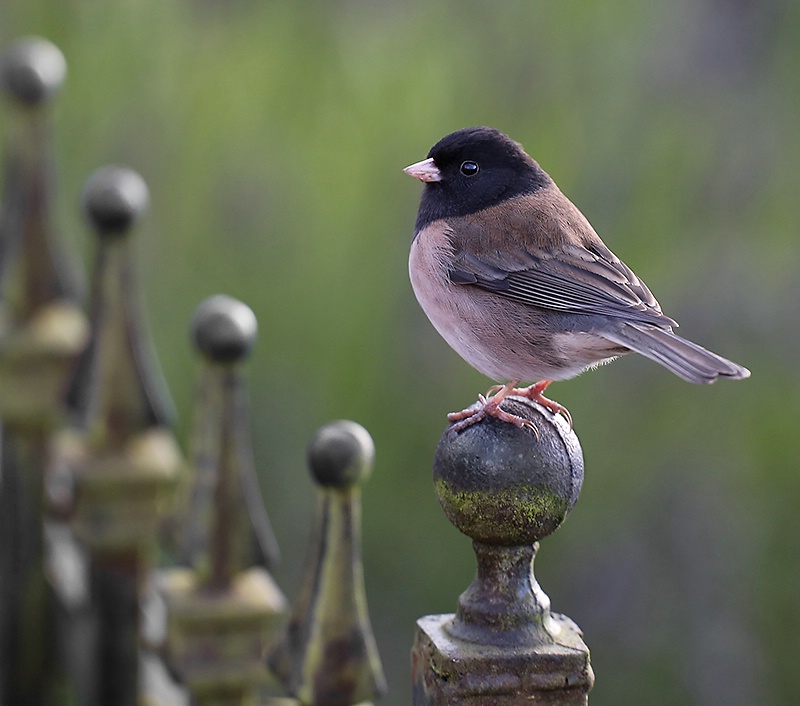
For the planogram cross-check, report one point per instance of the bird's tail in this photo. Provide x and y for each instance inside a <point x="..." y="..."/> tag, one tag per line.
<point x="684" y="358"/>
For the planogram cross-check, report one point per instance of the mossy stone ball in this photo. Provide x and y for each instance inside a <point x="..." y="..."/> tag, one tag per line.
<point x="504" y="485"/>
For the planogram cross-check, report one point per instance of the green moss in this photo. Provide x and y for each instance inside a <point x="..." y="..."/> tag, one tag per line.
<point x="513" y="516"/>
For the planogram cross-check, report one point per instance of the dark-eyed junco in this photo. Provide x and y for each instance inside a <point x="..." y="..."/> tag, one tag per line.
<point x="516" y="280"/>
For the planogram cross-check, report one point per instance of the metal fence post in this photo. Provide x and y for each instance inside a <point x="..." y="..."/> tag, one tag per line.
<point x="125" y="459"/>
<point x="328" y="656"/>
<point x="42" y="331"/>
<point x="223" y="608"/>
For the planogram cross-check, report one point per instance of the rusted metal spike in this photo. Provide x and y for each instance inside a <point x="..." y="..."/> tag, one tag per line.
<point x="127" y="458"/>
<point x="42" y="328"/>
<point x="118" y="389"/>
<point x="32" y="72"/>
<point x="42" y="331"/>
<point x="124" y="458"/>
<point x="328" y="656"/>
<point x="222" y="611"/>
<point x="227" y="528"/>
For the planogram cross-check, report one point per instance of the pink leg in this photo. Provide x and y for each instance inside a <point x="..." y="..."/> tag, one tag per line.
<point x="491" y="407"/>
<point x="534" y="392"/>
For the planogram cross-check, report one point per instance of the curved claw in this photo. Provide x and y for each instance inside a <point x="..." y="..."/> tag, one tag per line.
<point x="555" y="408"/>
<point x="489" y="405"/>
<point x="490" y="408"/>
<point x="472" y="415"/>
<point x="517" y="421"/>
<point x="534" y="392"/>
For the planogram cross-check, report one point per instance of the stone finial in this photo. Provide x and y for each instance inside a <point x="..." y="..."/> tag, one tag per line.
<point x="328" y="656"/>
<point x="506" y="488"/>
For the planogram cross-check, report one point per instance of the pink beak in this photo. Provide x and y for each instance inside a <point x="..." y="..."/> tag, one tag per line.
<point x="425" y="170"/>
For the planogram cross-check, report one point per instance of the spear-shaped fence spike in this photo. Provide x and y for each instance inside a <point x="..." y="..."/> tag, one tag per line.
<point x="42" y="328"/>
<point x="118" y="390"/>
<point x="32" y="72"/>
<point x="227" y="528"/>
<point x="125" y="459"/>
<point x="328" y="656"/>
<point x="42" y="331"/>
<point x="222" y="611"/>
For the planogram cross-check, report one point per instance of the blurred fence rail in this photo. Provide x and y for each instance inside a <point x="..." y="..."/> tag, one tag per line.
<point x="132" y="575"/>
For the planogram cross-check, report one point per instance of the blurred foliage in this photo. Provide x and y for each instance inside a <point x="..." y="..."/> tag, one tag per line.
<point x="272" y="135"/>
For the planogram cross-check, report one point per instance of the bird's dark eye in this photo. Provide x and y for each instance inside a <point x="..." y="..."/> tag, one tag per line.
<point x="469" y="168"/>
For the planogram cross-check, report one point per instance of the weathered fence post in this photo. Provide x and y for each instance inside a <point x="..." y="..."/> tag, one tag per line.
<point x="506" y="488"/>
<point x="125" y="459"/>
<point x="221" y="612"/>
<point x="42" y="331"/>
<point x="328" y="656"/>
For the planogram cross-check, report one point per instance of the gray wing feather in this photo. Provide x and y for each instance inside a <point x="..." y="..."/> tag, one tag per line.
<point x="684" y="358"/>
<point x="580" y="280"/>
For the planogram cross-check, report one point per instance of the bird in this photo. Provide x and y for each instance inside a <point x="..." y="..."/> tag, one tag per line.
<point x="516" y="280"/>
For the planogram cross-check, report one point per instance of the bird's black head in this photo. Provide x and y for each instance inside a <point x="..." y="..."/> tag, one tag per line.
<point x="472" y="169"/>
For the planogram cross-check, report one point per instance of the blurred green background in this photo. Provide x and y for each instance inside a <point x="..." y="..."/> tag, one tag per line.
<point x="272" y="136"/>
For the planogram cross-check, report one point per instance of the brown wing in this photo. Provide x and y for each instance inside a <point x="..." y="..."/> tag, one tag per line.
<point x="568" y="278"/>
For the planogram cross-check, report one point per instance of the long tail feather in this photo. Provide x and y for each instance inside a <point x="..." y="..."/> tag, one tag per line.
<point x="684" y="358"/>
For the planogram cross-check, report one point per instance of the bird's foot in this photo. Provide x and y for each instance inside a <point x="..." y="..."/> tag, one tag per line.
<point x="534" y="392"/>
<point x="489" y="407"/>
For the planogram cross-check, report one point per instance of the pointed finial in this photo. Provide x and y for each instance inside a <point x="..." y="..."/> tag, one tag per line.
<point x="328" y="656"/>
<point x="42" y="332"/>
<point x="117" y="392"/>
<point x="118" y="387"/>
<point x="227" y="528"/>
<point x="125" y="459"/>
<point x="223" y="610"/>
<point x="37" y="278"/>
